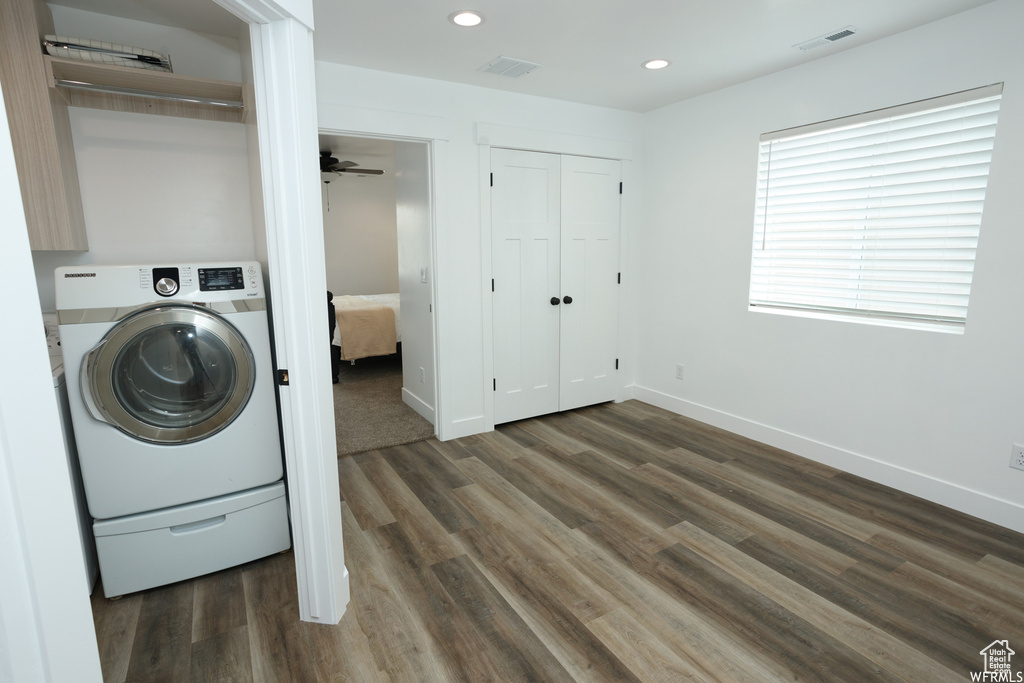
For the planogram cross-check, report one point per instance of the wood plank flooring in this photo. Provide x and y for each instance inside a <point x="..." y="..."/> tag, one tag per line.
<point x="614" y="543"/>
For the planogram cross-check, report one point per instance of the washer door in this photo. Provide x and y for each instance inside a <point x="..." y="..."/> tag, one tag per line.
<point x="169" y="374"/>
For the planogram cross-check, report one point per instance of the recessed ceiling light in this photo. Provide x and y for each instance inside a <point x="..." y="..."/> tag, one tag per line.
<point x="466" y="18"/>
<point x="656" y="64"/>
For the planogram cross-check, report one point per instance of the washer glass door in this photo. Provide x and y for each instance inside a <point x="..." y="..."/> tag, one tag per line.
<point x="171" y="374"/>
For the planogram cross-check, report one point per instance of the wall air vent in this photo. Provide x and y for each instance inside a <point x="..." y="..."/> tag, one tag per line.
<point x="826" y="39"/>
<point x="507" y="66"/>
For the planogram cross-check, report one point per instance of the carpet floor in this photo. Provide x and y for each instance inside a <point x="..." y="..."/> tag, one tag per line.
<point x="368" y="408"/>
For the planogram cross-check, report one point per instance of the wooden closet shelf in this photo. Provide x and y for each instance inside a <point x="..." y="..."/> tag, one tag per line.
<point x="120" y="88"/>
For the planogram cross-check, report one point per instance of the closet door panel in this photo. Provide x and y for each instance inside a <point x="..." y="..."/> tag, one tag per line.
<point x="525" y="246"/>
<point x="589" y="275"/>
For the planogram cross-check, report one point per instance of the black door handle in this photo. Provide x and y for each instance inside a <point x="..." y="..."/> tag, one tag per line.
<point x="567" y="300"/>
<point x="554" y="301"/>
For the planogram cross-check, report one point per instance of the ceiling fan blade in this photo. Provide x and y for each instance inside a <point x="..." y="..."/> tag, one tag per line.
<point x="343" y="164"/>
<point x="360" y="171"/>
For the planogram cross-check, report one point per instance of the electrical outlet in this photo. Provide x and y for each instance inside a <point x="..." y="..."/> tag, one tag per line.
<point x="423" y="376"/>
<point x="679" y="371"/>
<point x="1017" y="457"/>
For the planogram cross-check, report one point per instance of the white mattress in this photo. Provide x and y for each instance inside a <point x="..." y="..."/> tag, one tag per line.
<point x="389" y="300"/>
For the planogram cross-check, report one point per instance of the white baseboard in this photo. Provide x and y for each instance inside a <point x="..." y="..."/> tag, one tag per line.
<point x="465" y="427"/>
<point x="420" y="406"/>
<point x="984" y="506"/>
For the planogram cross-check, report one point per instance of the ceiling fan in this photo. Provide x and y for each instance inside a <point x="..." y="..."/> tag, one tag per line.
<point x="330" y="164"/>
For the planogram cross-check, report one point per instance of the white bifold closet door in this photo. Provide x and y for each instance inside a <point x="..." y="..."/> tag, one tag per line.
<point x="555" y="260"/>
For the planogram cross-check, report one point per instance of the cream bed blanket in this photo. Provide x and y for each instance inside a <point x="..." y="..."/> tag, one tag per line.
<point x="364" y="328"/>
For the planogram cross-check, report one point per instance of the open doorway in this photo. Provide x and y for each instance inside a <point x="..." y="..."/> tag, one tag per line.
<point x="378" y="258"/>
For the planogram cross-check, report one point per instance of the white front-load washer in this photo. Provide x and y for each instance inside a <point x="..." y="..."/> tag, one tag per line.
<point x="174" y="415"/>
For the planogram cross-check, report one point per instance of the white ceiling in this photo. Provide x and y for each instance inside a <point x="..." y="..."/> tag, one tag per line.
<point x="590" y="50"/>
<point x="203" y="16"/>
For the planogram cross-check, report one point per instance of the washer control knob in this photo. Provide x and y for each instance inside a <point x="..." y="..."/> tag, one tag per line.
<point x="166" y="286"/>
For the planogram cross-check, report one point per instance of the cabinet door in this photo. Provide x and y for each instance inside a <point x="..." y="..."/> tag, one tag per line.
<point x="525" y="262"/>
<point x="589" y="276"/>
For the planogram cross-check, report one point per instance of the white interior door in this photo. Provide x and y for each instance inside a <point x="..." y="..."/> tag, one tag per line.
<point x="525" y="264"/>
<point x="589" y="281"/>
<point x="555" y="260"/>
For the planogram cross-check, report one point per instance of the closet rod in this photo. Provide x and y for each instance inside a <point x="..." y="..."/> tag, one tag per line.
<point x="81" y="85"/>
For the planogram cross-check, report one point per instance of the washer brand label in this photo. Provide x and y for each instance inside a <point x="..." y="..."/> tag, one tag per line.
<point x="79" y="275"/>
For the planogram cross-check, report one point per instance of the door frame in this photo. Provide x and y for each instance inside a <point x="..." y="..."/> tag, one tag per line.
<point x="432" y="248"/>
<point x="551" y="142"/>
<point x="337" y="119"/>
<point x="284" y="99"/>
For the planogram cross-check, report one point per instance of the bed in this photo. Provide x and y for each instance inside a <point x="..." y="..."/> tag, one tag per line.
<point x="368" y="325"/>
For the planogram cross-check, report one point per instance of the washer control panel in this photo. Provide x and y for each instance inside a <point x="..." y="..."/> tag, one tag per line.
<point x="220" y="279"/>
<point x="202" y="283"/>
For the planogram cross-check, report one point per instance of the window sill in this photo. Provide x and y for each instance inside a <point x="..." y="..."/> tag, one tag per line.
<point x="918" y="325"/>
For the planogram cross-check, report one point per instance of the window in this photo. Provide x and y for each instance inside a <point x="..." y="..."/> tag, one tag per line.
<point x="875" y="217"/>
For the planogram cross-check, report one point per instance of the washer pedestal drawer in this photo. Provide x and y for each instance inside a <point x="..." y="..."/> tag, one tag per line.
<point x="156" y="548"/>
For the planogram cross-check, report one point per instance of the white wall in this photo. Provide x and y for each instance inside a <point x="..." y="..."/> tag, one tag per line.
<point x="934" y="414"/>
<point x="360" y="100"/>
<point x="416" y="276"/>
<point x="360" y="234"/>
<point x="157" y="189"/>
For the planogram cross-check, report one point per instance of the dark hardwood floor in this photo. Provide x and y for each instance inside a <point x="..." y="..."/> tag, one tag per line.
<point x="614" y="543"/>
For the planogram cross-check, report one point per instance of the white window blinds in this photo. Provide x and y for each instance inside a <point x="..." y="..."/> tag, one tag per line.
<point x="877" y="214"/>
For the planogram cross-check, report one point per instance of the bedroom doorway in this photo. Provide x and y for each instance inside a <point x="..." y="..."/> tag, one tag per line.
<point x="378" y="249"/>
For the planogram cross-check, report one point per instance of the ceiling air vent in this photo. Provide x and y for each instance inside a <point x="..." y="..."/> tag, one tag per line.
<point x="506" y="66"/>
<point x="826" y="39"/>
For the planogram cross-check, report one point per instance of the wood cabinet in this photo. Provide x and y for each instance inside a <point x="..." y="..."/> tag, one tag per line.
<point x="37" y="92"/>
<point x="40" y="131"/>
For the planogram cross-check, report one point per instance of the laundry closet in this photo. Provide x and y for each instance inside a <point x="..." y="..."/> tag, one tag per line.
<point x="109" y="183"/>
<point x="555" y="223"/>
